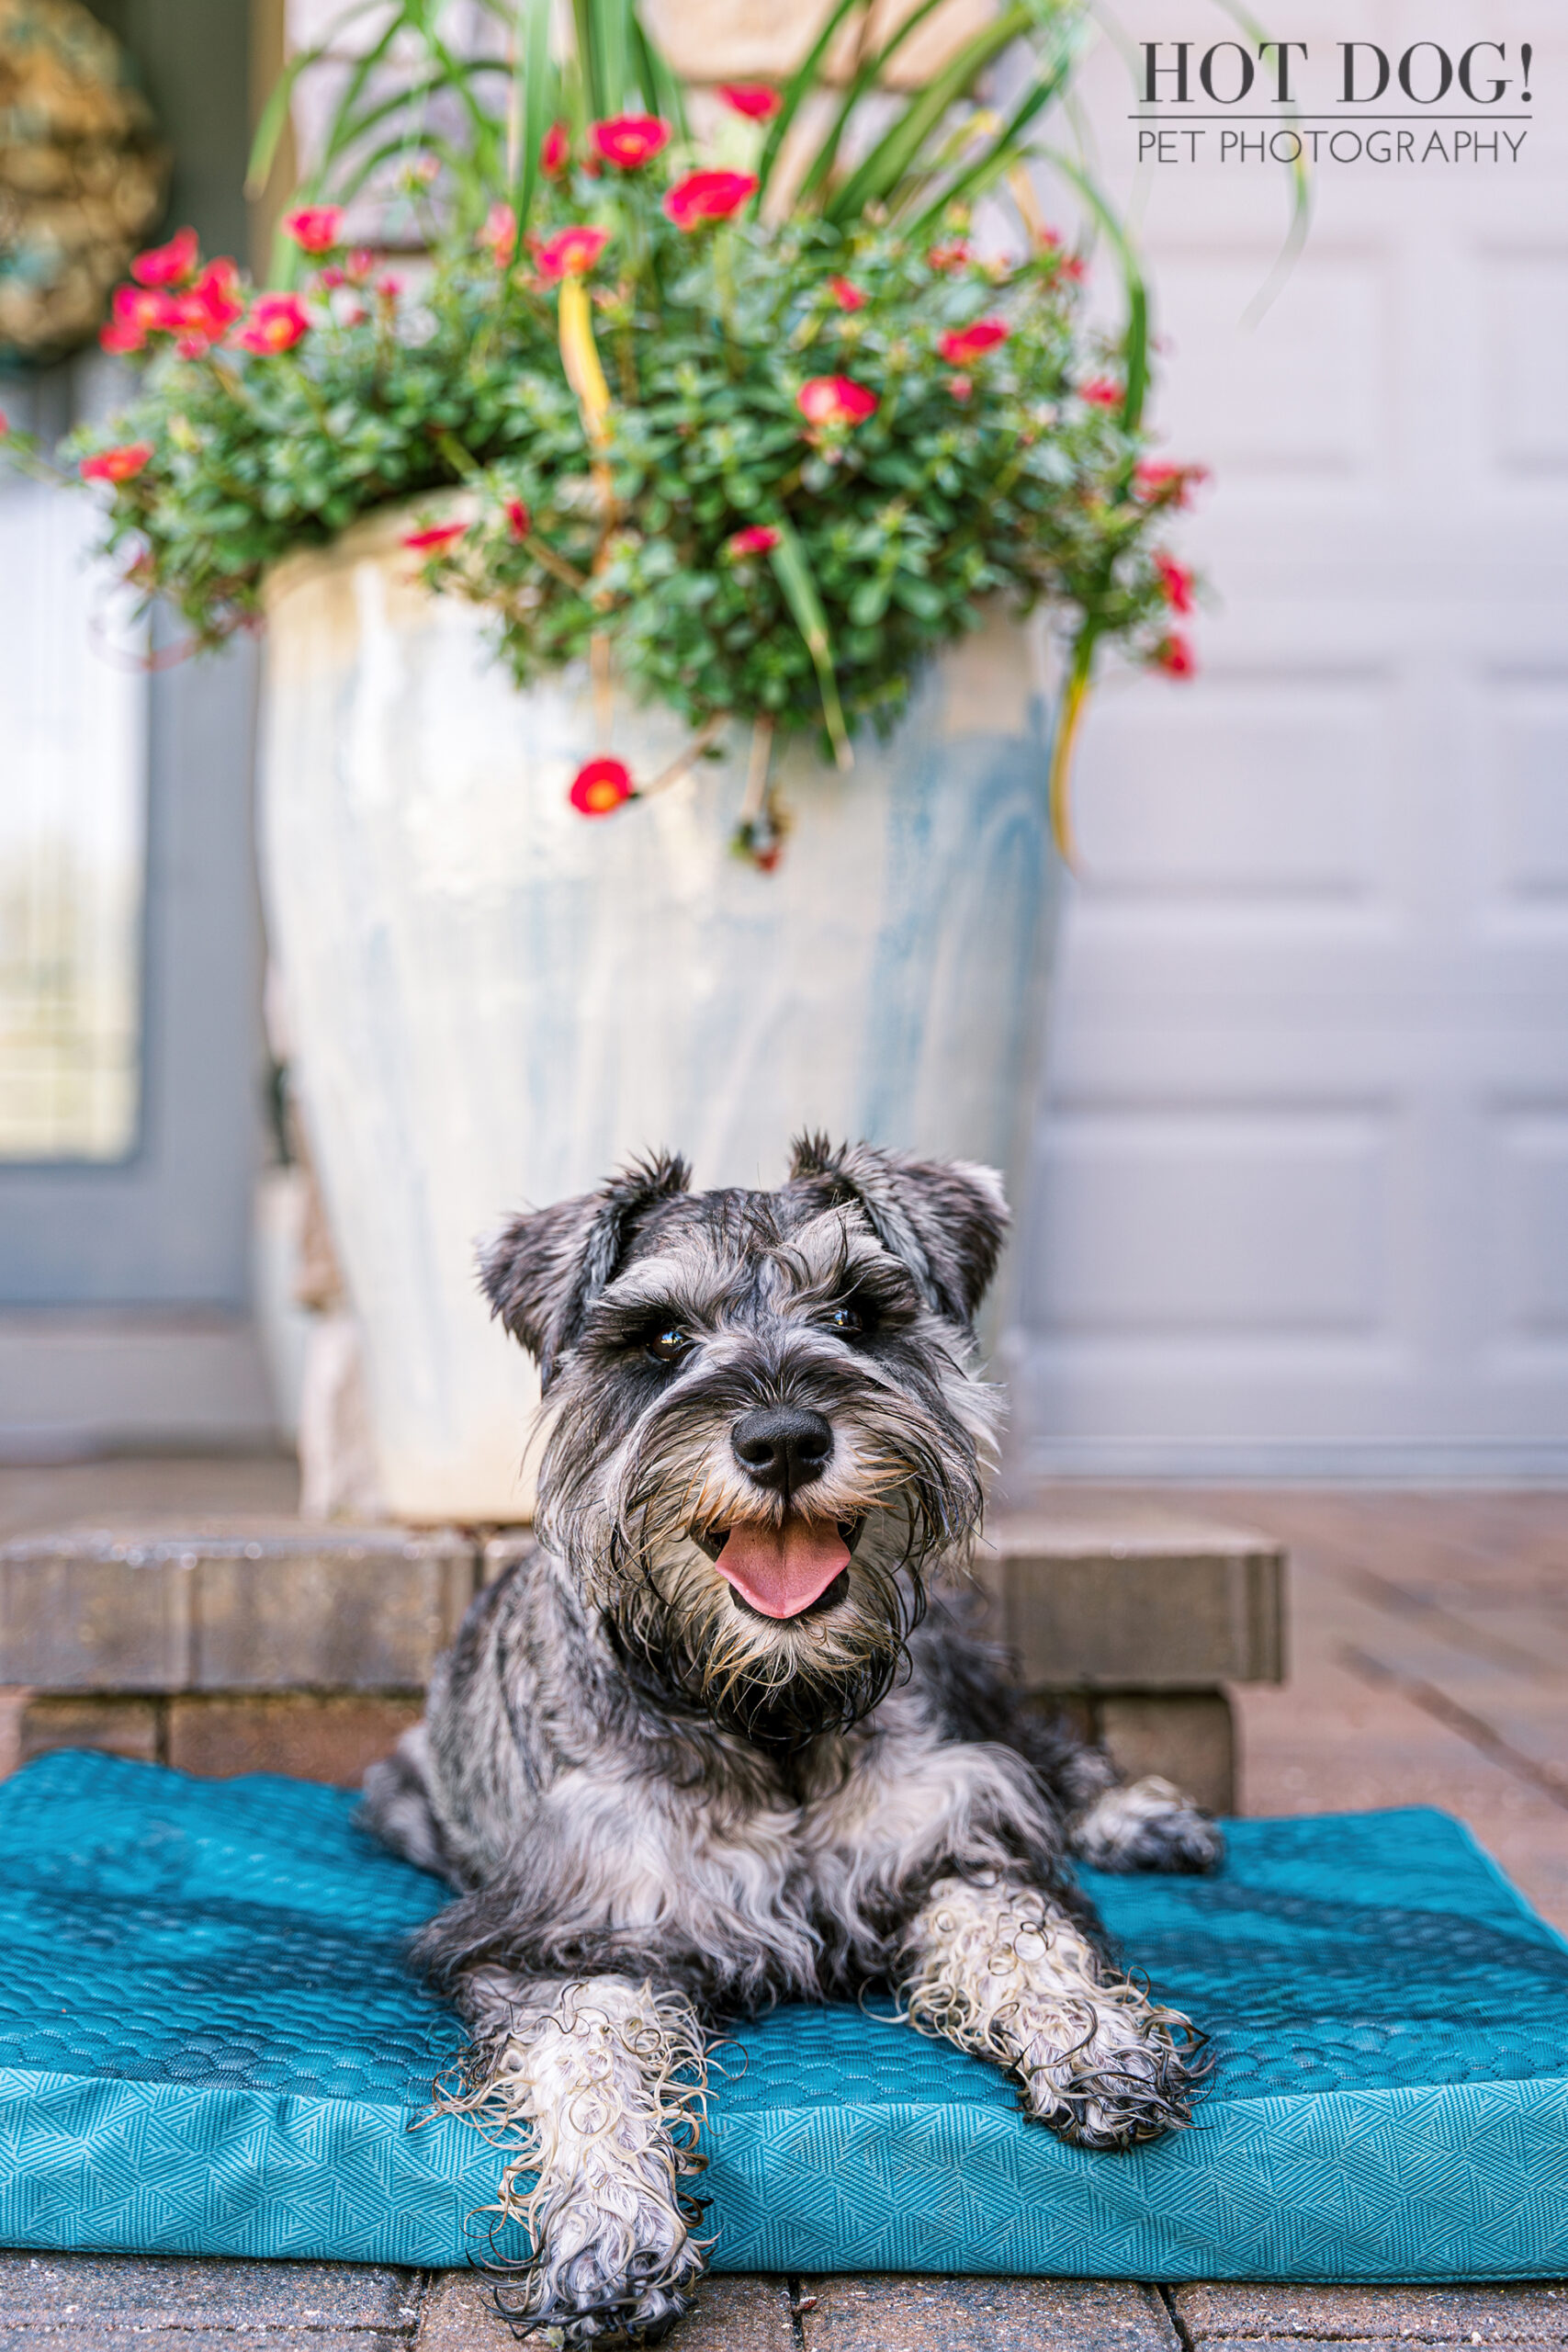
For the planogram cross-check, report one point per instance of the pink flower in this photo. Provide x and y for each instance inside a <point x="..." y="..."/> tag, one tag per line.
<point x="758" y="101"/>
<point x="276" y="322"/>
<point x="960" y="344"/>
<point x="1158" y="482"/>
<point x="136" y="312"/>
<point x="847" y="295"/>
<point x="756" y="539"/>
<point x="435" y="539"/>
<point x="170" y="265"/>
<point x="315" y="228"/>
<point x="554" y="150"/>
<point x="1100" y="392"/>
<point x="600" y="786"/>
<point x="519" y="522"/>
<point x="1176" y="579"/>
<point x="215" y="302"/>
<point x="961" y="386"/>
<point x="1174" y="656"/>
<point x="351" y="271"/>
<point x="835" y="400"/>
<point x="498" y="234"/>
<point x="117" y="465"/>
<point x="570" y="253"/>
<point x="709" y="196"/>
<point x="954" y="256"/>
<point x="629" y="140"/>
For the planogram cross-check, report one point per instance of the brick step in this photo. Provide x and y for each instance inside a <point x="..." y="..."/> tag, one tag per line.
<point x="242" y="1646"/>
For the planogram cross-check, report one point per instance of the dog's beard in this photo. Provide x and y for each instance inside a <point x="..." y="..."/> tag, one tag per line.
<point x="777" y="1681"/>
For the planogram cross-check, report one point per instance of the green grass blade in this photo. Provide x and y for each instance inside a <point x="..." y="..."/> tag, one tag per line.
<point x="896" y="153"/>
<point x="534" y="107"/>
<point x="662" y="88"/>
<point x="795" y="577"/>
<point x="1135" y="336"/>
<point x="275" y="113"/>
<point x="828" y="153"/>
<point x="798" y="89"/>
<point x="1005" y="150"/>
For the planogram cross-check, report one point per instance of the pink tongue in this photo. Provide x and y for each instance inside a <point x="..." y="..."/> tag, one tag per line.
<point x="782" y="1570"/>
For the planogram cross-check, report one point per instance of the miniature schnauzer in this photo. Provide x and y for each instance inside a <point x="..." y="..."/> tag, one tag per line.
<point x="708" y="1749"/>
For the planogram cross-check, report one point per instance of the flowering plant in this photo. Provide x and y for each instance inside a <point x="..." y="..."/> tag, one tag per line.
<point x="761" y="459"/>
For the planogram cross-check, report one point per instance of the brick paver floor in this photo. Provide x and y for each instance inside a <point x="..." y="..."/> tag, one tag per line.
<point x="1428" y="1666"/>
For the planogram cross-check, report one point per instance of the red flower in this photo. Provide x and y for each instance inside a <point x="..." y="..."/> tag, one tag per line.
<point x="215" y="302"/>
<point x="315" y="228"/>
<point x="758" y="101"/>
<point x="954" y="256"/>
<point x="960" y="344"/>
<point x="631" y="141"/>
<point x="1159" y="482"/>
<point x="709" y="196"/>
<point x="961" y="386"/>
<point x="519" y="522"/>
<point x="170" y="265"/>
<point x="1072" y="268"/>
<point x="498" y="234"/>
<point x="117" y="465"/>
<point x="435" y="539"/>
<point x="1174" y="656"/>
<point x="554" y="150"/>
<point x="835" y="400"/>
<point x="756" y="539"/>
<point x="276" y="324"/>
<point x="1176" y="579"/>
<point x="847" y="295"/>
<point x="1100" y="392"/>
<point x="570" y="253"/>
<point x="600" y="786"/>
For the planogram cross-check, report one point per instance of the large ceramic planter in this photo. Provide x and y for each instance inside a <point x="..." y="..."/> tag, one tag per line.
<point x="495" y="1001"/>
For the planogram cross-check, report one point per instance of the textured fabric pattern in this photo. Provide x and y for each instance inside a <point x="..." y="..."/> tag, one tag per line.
<point x="209" y="2044"/>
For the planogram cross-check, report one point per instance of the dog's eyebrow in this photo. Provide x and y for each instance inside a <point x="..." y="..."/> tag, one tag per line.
<point x="690" y="1285"/>
<point x="834" y="1255"/>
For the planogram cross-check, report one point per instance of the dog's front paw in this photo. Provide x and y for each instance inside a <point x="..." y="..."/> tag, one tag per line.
<point x="610" y="2267"/>
<point x="1105" y="2069"/>
<point x="1147" y="1826"/>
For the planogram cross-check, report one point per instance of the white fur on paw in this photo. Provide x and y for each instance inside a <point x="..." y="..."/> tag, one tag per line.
<point x="594" y="2093"/>
<point x="1003" y="1973"/>
<point x="1147" y="1825"/>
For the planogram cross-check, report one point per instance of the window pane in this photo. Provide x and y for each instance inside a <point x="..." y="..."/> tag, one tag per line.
<point x="72" y="734"/>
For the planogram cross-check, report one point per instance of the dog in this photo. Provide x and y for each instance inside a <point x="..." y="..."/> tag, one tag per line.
<point x="720" y="1741"/>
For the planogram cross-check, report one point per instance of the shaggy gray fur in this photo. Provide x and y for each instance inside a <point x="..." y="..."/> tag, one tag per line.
<point x="663" y="1807"/>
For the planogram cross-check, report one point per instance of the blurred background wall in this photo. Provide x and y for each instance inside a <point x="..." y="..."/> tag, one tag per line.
<point x="1302" y="1190"/>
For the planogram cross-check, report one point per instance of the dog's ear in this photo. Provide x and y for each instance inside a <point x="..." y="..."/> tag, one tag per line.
<point x="543" y="1271"/>
<point x="945" y="1218"/>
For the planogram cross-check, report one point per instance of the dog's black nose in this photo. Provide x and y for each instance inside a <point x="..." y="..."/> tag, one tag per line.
<point x="783" y="1445"/>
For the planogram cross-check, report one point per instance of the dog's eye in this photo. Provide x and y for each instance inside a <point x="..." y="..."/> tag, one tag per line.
<point x="669" y="1346"/>
<point x="848" y="1321"/>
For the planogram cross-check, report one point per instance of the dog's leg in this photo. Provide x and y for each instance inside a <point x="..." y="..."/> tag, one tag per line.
<point x="1145" y="1825"/>
<point x="591" y="2085"/>
<point x="1001" y="1970"/>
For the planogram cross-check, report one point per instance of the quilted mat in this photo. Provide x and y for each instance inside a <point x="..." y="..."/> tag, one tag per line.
<point x="208" y="2045"/>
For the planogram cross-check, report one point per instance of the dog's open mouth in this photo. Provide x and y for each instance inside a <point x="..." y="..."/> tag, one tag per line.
<point x="785" y="1571"/>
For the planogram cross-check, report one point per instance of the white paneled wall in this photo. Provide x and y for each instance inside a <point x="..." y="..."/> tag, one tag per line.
<point x="1302" y="1196"/>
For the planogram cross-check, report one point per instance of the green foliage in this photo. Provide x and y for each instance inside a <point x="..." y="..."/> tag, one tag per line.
<point x="947" y="480"/>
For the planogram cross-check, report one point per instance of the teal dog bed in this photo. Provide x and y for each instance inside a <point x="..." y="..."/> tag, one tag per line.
<point x="208" y="2045"/>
